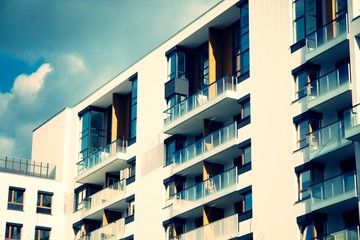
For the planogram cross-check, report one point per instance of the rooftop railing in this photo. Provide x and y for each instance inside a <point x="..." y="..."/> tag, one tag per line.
<point x="204" y="145"/>
<point x="327" y="138"/>
<point x="207" y="187"/>
<point x="112" y="231"/>
<point x="333" y="187"/>
<point x="226" y="228"/>
<point x="200" y="98"/>
<point x="329" y="82"/>
<point x="328" y="32"/>
<point x="101" y="155"/>
<point x="351" y="233"/>
<point x="107" y="194"/>
<point x="27" y="167"/>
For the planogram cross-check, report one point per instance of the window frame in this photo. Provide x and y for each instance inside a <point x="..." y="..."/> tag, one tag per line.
<point x="316" y="175"/>
<point x="12" y="203"/>
<point x="40" y="208"/>
<point x="178" y="142"/>
<point x="301" y="141"/>
<point x="176" y="57"/>
<point x="241" y="45"/>
<point x="133" y="109"/>
<point x="204" y="66"/>
<point x="244" y="208"/>
<point x="39" y="231"/>
<point x="9" y="231"/>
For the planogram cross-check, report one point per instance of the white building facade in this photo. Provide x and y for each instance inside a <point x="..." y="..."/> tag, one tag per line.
<point x="243" y="125"/>
<point x="32" y="202"/>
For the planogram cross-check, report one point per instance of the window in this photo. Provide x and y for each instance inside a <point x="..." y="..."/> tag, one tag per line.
<point x="305" y="83"/>
<point x="16" y="198"/>
<point x="92" y="132"/>
<point x="247" y="202"/>
<point x="243" y="118"/>
<point x="308" y="175"/>
<point x="170" y="150"/>
<point x="174" y="185"/>
<point x="82" y="193"/>
<point x="246" y="155"/>
<point x="175" y="229"/>
<point x="173" y="144"/>
<point x="241" y="43"/>
<point x="176" y="63"/>
<point x="299" y="20"/>
<point x="313" y="227"/>
<point x="44" y="200"/>
<point x="131" y="208"/>
<point x="13" y="231"/>
<point x="130" y="212"/>
<point x="304" y="18"/>
<point x="245" y="109"/>
<point x="133" y="114"/>
<point x="130" y="172"/>
<point x="244" y="207"/>
<point x="204" y="66"/>
<point x="42" y="233"/>
<point x="303" y="128"/>
<point x="175" y="99"/>
<point x="80" y="197"/>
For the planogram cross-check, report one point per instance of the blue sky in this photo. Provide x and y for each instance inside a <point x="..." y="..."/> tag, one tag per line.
<point x="54" y="53"/>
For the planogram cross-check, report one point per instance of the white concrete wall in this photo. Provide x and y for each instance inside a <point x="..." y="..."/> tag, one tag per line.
<point x="28" y="217"/>
<point x="271" y="96"/>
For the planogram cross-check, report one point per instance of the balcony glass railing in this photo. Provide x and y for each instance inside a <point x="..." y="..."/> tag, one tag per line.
<point x="329" y="82"/>
<point x="112" y="231"/>
<point x="327" y="138"/>
<point x="351" y="233"/>
<point x="27" y="167"/>
<point x="203" y="96"/>
<point x="101" y="155"/>
<point x="115" y="191"/>
<point x="327" y="33"/>
<point x="204" y="145"/>
<point x="333" y="188"/>
<point x="207" y="187"/>
<point x="226" y="228"/>
<point x="352" y="117"/>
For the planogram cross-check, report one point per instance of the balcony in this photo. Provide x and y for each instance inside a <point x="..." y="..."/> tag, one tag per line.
<point x="204" y="145"/>
<point x="218" y="97"/>
<point x="327" y="37"/>
<point x="225" y="228"/>
<point x="109" y="196"/>
<point x="110" y="158"/>
<point x="27" y="167"/>
<point x="346" y="234"/>
<point x="329" y="139"/>
<point x="351" y="123"/>
<point x="330" y="91"/>
<point x="214" y="187"/>
<point x="112" y="231"/>
<point x="333" y="190"/>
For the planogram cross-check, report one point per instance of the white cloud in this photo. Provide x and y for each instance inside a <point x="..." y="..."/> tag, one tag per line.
<point x="27" y="86"/>
<point x="7" y="146"/>
<point x="75" y="63"/>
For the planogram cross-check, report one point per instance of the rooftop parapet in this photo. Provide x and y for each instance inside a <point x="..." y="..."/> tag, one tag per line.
<point x="27" y="167"/>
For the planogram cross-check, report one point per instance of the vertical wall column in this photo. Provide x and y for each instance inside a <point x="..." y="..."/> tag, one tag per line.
<point x="120" y="117"/>
<point x="215" y="55"/>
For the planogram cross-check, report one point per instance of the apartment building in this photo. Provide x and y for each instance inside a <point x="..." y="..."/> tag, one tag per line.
<point x="243" y="125"/>
<point x="31" y="206"/>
